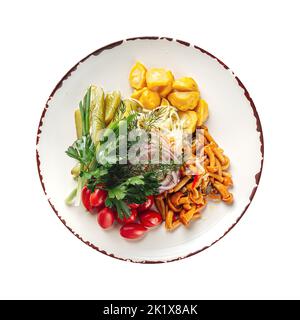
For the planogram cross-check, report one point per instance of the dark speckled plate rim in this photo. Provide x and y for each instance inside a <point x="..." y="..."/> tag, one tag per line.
<point x="111" y="46"/>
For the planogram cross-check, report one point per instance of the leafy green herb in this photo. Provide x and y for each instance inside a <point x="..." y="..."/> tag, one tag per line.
<point x="119" y="115"/>
<point x="122" y="208"/>
<point x="83" y="150"/>
<point x="133" y="190"/>
<point x="95" y="174"/>
<point x="150" y="120"/>
<point x="84" y="107"/>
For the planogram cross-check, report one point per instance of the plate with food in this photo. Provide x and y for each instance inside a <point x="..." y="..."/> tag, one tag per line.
<point x="149" y="149"/>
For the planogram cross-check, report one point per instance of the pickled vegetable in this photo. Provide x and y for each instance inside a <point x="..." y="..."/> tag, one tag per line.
<point x="137" y="93"/>
<point x="137" y="76"/>
<point x="189" y="120"/>
<point x="184" y="100"/>
<point x="150" y="218"/>
<point x="202" y="112"/>
<point x="70" y="199"/>
<point x="164" y="102"/>
<point x="132" y="231"/>
<point x="185" y="84"/>
<point x="97" y="113"/>
<point x="158" y="78"/>
<point x="150" y="99"/>
<point x="76" y="170"/>
<point x="78" y="123"/>
<point x="130" y="106"/>
<point x="112" y="102"/>
<point x="164" y="91"/>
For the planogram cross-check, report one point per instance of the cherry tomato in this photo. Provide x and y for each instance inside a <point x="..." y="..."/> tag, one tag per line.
<point x="95" y="210"/>
<point x="85" y="197"/>
<point x="132" y="217"/>
<point x="147" y="204"/>
<point x="133" y="205"/>
<point x="98" y="197"/>
<point x="132" y="231"/>
<point x="150" y="218"/>
<point x="106" y="218"/>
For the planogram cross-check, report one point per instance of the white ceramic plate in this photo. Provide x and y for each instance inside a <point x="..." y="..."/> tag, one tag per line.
<point x="233" y="122"/>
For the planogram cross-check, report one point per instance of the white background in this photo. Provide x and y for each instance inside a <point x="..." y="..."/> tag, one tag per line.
<point x="40" y="41"/>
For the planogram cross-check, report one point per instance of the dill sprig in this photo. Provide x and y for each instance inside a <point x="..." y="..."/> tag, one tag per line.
<point x="150" y="120"/>
<point x="119" y="115"/>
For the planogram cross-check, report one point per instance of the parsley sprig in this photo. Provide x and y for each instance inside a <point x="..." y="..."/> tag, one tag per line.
<point x="82" y="150"/>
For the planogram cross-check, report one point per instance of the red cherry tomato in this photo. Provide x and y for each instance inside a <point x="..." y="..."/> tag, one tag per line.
<point x="85" y="197"/>
<point x="98" y="197"/>
<point x="130" y="219"/>
<point x="133" y="205"/>
<point x="147" y="204"/>
<point x="106" y="218"/>
<point x="150" y="218"/>
<point x="95" y="210"/>
<point x="132" y="231"/>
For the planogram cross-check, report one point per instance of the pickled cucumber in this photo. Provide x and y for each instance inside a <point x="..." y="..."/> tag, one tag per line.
<point x="97" y="113"/>
<point x="112" y="102"/>
<point x="78" y="123"/>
